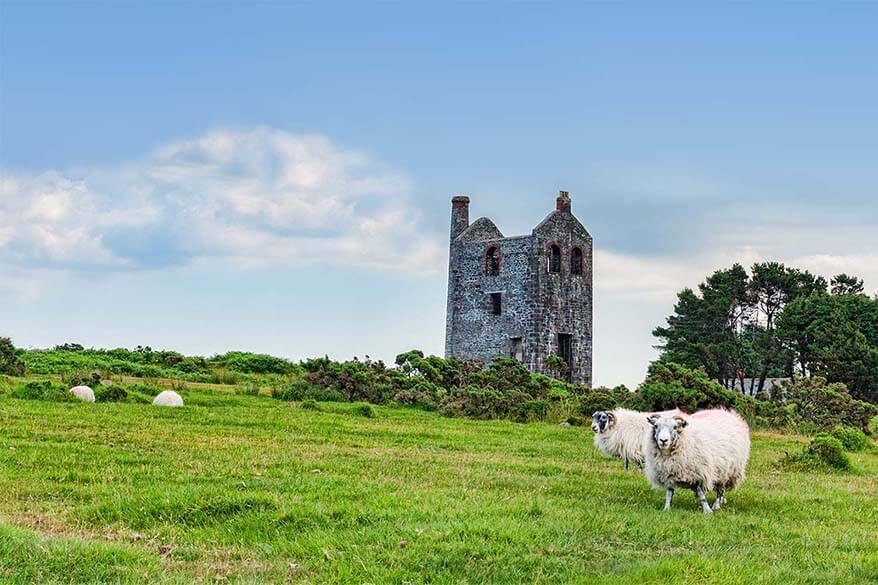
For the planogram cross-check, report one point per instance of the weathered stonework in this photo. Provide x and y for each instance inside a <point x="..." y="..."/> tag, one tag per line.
<point x="538" y="307"/>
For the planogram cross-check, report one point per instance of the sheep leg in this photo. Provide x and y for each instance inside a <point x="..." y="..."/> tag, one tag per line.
<point x="705" y="507"/>
<point x="669" y="495"/>
<point x="626" y="464"/>
<point x="720" y="498"/>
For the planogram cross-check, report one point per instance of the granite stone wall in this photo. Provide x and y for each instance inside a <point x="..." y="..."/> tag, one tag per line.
<point x="536" y="305"/>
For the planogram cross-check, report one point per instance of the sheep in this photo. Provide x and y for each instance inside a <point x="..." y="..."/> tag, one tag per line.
<point x="168" y="398"/>
<point x="705" y="451"/>
<point x="84" y="393"/>
<point x="619" y="433"/>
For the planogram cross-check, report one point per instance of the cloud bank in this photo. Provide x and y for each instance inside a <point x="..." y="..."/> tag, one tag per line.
<point x="252" y="197"/>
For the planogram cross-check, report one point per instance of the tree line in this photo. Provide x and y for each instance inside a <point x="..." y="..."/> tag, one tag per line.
<point x="776" y="321"/>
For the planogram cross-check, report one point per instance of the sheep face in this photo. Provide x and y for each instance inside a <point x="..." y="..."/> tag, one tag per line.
<point x="666" y="430"/>
<point x="602" y="421"/>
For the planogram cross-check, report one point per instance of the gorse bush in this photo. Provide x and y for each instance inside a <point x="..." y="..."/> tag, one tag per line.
<point x="114" y="393"/>
<point x="42" y="390"/>
<point x="670" y="385"/>
<point x="10" y="363"/>
<point x="297" y="391"/>
<point x="851" y="439"/>
<point x="823" y="452"/>
<point x="823" y="406"/>
<point x="602" y="398"/>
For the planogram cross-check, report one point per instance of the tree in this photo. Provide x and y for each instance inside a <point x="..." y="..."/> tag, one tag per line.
<point x="834" y="336"/>
<point x="10" y="363"/>
<point x="842" y="284"/>
<point x="778" y="321"/>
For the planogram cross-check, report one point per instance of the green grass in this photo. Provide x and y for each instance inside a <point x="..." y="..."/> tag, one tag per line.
<point x="237" y="488"/>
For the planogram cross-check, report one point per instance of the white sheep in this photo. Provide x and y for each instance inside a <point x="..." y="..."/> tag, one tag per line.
<point x="84" y="393"/>
<point x="168" y="398"/>
<point x="705" y="451"/>
<point x="619" y="433"/>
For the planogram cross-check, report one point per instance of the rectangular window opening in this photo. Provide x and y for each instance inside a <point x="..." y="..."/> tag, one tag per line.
<point x="565" y="350"/>
<point x="517" y="352"/>
<point x="496" y="304"/>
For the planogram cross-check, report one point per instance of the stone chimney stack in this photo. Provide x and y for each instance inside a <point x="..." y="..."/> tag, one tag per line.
<point x="459" y="215"/>
<point x="562" y="203"/>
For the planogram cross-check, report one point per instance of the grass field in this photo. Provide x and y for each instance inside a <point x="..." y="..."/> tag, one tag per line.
<point x="249" y="489"/>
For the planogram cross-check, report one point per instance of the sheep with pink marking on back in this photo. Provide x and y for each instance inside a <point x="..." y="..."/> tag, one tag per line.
<point x="706" y="451"/>
<point x="619" y="433"/>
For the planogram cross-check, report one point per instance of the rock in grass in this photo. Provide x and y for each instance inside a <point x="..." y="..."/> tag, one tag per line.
<point x="84" y="393"/>
<point x="168" y="398"/>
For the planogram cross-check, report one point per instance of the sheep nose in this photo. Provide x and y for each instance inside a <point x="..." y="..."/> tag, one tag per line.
<point x="594" y="428"/>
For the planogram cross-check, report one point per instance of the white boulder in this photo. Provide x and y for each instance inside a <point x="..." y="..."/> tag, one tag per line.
<point x="84" y="393"/>
<point x="168" y="398"/>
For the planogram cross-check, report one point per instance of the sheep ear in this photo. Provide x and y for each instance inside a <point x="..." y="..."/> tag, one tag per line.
<point x="652" y="419"/>
<point x="597" y="412"/>
<point x="681" y="422"/>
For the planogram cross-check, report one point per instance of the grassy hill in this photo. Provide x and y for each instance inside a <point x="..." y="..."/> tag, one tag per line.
<point x="249" y="489"/>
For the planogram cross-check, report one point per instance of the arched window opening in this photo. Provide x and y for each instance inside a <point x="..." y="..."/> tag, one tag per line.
<point x="492" y="261"/>
<point x="555" y="258"/>
<point x="576" y="261"/>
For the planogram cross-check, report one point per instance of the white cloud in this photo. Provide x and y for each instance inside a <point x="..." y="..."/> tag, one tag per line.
<point x="256" y="196"/>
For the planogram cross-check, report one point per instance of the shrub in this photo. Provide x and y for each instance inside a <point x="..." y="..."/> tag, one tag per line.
<point x="425" y="395"/>
<point x="297" y="391"/>
<point x="851" y="439"/>
<point x="91" y="378"/>
<point x="254" y="363"/>
<point x="42" y="390"/>
<point x="823" y="452"/>
<point x="830" y="451"/>
<point x="474" y="402"/>
<point x="10" y="363"/>
<point x="309" y="404"/>
<point x="363" y="409"/>
<point x="670" y="385"/>
<point x="530" y="410"/>
<point x="355" y="380"/>
<point x="602" y="398"/>
<point x="823" y="405"/>
<point x="110" y="394"/>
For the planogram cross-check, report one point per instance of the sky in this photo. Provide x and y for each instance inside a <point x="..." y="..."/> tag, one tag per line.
<point x="276" y="177"/>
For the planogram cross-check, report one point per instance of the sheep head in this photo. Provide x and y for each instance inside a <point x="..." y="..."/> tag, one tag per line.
<point x="666" y="430"/>
<point x="602" y="421"/>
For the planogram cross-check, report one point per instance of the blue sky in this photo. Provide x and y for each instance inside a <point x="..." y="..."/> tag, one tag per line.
<point x="276" y="176"/>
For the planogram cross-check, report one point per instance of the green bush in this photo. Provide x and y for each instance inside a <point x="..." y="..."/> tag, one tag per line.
<point x="424" y="395"/>
<point x="363" y="409"/>
<point x="602" y="398"/>
<point x="10" y="363"/>
<point x="254" y="363"/>
<point x="530" y="410"/>
<point x="823" y="452"/>
<point x="309" y="404"/>
<point x="851" y="439"/>
<point x="298" y="391"/>
<point x="830" y="451"/>
<point x="670" y="385"/>
<point x="474" y="402"/>
<point x="110" y="394"/>
<point x="42" y="390"/>
<point x="823" y="406"/>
